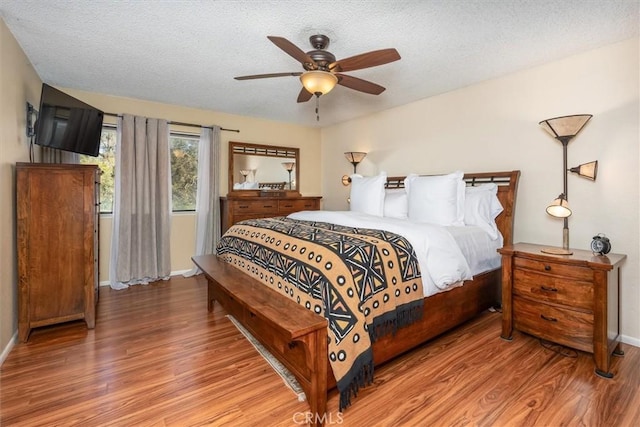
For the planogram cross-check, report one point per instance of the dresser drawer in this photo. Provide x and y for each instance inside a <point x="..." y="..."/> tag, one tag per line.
<point x="255" y="206"/>
<point x="558" y="269"/>
<point x="559" y="325"/>
<point x="556" y="289"/>
<point x="286" y="207"/>
<point x="240" y="217"/>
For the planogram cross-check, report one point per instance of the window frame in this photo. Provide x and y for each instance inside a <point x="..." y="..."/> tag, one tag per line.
<point x="177" y="134"/>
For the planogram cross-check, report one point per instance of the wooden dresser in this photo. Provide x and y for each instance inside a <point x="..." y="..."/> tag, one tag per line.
<point x="571" y="300"/>
<point x="236" y="209"/>
<point x="57" y="242"/>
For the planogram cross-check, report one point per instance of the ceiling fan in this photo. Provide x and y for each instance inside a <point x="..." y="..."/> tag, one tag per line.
<point x="321" y="70"/>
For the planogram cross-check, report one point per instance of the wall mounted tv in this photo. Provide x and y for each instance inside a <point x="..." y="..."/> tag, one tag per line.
<point x="66" y="123"/>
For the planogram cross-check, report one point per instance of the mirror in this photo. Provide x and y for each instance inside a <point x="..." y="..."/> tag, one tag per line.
<point x="268" y="170"/>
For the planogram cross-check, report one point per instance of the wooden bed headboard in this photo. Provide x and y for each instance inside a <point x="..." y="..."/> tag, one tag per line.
<point x="507" y="189"/>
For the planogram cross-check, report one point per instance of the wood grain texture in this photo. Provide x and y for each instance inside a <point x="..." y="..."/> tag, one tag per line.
<point x="239" y="208"/>
<point x="57" y="244"/>
<point x="158" y="357"/>
<point x="573" y="300"/>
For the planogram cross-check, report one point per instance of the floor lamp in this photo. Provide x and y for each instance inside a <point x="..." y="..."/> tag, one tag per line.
<point x="289" y="167"/>
<point x="564" y="129"/>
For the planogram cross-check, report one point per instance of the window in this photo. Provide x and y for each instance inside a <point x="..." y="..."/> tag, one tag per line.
<point x="106" y="161"/>
<point x="184" y="169"/>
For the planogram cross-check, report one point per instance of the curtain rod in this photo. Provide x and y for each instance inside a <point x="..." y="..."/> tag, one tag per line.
<point x="182" y="124"/>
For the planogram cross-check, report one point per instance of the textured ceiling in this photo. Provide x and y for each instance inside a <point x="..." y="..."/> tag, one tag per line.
<point x="187" y="52"/>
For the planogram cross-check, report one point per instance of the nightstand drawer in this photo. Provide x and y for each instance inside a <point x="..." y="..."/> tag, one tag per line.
<point x="560" y="290"/>
<point x="562" y="326"/>
<point x="286" y="207"/>
<point x="255" y="206"/>
<point x="555" y="268"/>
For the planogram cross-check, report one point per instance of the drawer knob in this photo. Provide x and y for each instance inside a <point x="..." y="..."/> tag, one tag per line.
<point x="243" y="207"/>
<point x="292" y="345"/>
<point x="548" y="319"/>
<point x="547" y="289"/>
<point x="547" y="268"/>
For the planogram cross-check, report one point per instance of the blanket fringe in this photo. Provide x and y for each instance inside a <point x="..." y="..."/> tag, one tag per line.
<point x="389" y="323"/>
<point x="363" y="378"/>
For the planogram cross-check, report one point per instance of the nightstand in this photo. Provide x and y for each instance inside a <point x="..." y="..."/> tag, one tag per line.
<point x="571" y="300"/>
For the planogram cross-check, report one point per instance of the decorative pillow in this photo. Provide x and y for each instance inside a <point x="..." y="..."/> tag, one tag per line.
<point x="481" y="207"/>
<point x="367" y="194"/>
<point x="437" y="199"/>
<point x="396" y="203"/>
<point x="245" y="186"/>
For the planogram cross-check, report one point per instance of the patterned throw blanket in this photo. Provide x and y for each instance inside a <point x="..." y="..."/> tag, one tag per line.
<point x="365" y="282"/>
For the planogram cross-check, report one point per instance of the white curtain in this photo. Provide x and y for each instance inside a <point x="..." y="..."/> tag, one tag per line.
<point x="140" y="251"/>
<point x="208" y="194"/>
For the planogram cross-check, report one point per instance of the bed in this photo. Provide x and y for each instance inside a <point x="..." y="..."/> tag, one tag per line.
<point x="299" y="338"/>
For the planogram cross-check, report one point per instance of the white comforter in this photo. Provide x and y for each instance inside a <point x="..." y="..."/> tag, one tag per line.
<point x="441" y="261"/>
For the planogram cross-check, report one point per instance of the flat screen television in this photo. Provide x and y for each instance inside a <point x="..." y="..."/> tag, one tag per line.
<point x="66" y="123"/>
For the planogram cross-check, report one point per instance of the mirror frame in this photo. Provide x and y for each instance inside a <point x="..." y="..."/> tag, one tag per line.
<point x="245" y="148"/>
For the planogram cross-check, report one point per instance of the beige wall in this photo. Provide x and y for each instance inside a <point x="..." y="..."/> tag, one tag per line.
<point x="494" y="126"/>
<point x="19" y="83"/>
<point x="251" y="130"/>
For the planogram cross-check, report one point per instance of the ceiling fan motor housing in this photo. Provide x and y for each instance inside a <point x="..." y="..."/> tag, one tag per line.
<point x="320" y="56"/>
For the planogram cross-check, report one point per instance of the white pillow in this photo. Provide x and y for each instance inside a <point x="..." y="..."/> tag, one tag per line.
<point x="481" y="207"/>
<point x="437" y="199"/>
<point x="367" y="194"/>
<point x="246" y="186"/>
<point x="396" y="203"/>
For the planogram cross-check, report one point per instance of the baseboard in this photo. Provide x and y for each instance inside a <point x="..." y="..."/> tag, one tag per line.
<point x="630" y="340"/>
<point x="173" y="273"/>
<point x="8" y="348"/>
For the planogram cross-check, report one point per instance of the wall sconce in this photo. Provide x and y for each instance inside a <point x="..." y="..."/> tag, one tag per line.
<point x="354" y="157"/>
<point x="32" y="116"/>
<point x="289" y="167"/>
<point x="244" y="173"/>
<point x="564" y="129"/>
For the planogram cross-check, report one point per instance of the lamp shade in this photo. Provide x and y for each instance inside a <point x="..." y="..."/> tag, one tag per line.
<point x="288" y="165"/>
<point x="565" y="127"/>
<point x="355" y="156"/>
<point x="559" y="208"/>
<point x="318" y="82"/>
<point x="587" y="170"/>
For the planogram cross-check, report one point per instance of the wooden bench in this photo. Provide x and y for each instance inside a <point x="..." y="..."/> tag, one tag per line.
<point x="293" y="334"/>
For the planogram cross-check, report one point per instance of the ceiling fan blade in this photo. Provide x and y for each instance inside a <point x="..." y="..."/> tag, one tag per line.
<point x="266" y="76"/>
<point x="304" y="95"/>
<point x="291" y="49"/>
<point x="366" y="60"/>
<point x="359" y="84"/>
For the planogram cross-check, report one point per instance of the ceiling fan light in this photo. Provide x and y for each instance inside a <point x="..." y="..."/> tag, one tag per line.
<point x="318" y="81"/>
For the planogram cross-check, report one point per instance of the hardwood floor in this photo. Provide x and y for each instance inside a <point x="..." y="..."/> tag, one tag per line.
<point x="157" y="357"/>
